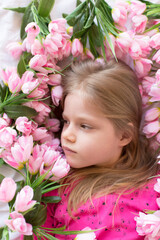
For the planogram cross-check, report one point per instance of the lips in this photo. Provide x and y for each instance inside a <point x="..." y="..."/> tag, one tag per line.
<point x="68" y="150"/>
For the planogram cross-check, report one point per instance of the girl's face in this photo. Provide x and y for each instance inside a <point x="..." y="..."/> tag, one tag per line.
<point x="88" y="137"/>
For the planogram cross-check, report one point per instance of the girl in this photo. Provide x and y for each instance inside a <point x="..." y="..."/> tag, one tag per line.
<point x="110" y="158"/>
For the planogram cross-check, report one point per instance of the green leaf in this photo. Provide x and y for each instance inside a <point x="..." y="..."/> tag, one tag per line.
<point x="5" y="234"/>
<point x="15" y="111"/>
<point x="37" y="216"/>
<point x="4" y="90"/>
<point x="37" y="194"/>
<point x="1" y="177"/>
<point x="28" y="237"/>
<point x="27" y="18"/>
<point x="19" y="9"/>
<point x="51" y="199"/>
<point x="101" y="39"/>
<point x="45" y="7"/>
<point x="71" y="17"/>
<point x="1" y="232"/>
<point x="21" y="67"/>
<point x="1" y="162"/>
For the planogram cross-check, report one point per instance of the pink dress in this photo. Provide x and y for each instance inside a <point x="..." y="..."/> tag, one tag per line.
<point x="113" y="215"/>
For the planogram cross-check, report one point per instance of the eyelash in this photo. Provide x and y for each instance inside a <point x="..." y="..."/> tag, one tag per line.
<point x="84" y="126"/>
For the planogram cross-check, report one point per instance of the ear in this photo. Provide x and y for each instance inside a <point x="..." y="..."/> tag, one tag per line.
<point x="126" y="136"/>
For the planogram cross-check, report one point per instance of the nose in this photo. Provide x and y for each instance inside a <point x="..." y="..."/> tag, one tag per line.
<point x="68" y="133"/>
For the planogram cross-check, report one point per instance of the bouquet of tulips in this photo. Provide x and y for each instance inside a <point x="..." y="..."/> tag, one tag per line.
<point x="30" y="96"/>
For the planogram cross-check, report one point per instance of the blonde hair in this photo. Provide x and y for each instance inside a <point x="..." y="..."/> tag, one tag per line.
<point x="114" y="87"/>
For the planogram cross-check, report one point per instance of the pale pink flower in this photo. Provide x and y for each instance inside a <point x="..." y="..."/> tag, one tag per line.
<point x="151" y="128"/>
<point x="139" y="23"/>
<point x="135" y="50"/>
<point x="86" y="236"/>
<point x="56" y="94"/>
<point x="142" y="67"/>
<point x="27" y="76"/>
<point x="18" y="223"/>
<point x="60" y="168"/>
<point x="52" y="124"/>
<point x="9" y="159"/>
<point x="155" y="41"/>
<point x="148" y="224"/>
<point x="152" y="114"/>
<point x="58" y="25"/>
<point x="137" y="8"/>
<point x="50" y="46"/>
<point x="77" y="47"/>
<point x="50" y="156"/>
<point x="54" y="79"/>
<point x="5" y="74"/>
<point x="156" y="57"/>
<point x="66" y="49"/>
<point x="14" y="83"/>
<point x="119" y="15"/>
<point x="157" y="185"/>
<point x="7" y="189"/>
<point x="40" y="133"/>
<point x="22" y="149"/>
<point x="29" y="86"/>
<point x="5" y="121"/>
<point x="144" y="44"/>
<point x="147" y="82"/>
<point x="37" y="48"/>
<point x="32" y="30"/>
<point x="7" y="136"/>
<point x="124" y="41"/>
<point x="37" y="62"/>
<point x="35" y="160"/>
<point x="155" y="92"/>
<point x="87" y="55"/>
<point x="24" y="200"/>
<point x="15" y="49"/>
<point x="23" y="125"/>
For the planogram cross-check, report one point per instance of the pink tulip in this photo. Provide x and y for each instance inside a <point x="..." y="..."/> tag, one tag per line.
<point x="139" y="23"/>
<point x="60" y="168"/>
<point x="7" y="136"/>
<point x="86" y="236"/>
<point x="151" y="128"/>
<point x="22" y="149"/>
<point x="5" y="74"/>
<point x="32" y="30"/>
<point x="144" y="43"/>
<point x="119" y="14"/>
<point x="54" y="79"/>
<point x="35" y="160"/>
<point x="14" y="83"/>
<point x="135" y="50"/>
<point x="147" y="82"/>
<point x="27" y="76"/>
<point x="5" y="121"/>
<point x="137" y="8"/>
<point x="77" y="47"/>
<point x="124" y="41"/>
<point x="152" y="114"/>
<point x="24" y="200"/>
<point x="7" y="189"/>
<point x="66" y="49"/>
<point x="155" y="41"/>
<point x="56" y="94"/>
<point x="156" y="57"/>
<point x="52" y="124"/>
<point x="50" y="46"/>
<point x="142" y="67"/>
<point x="18" y="223"/>
<point x="37" y="48"/>
<point x="9" y="159"/>
<point x="23" y="125"/>
<point x="148" y="224"/>
<point x="58" y="25"/>
<point x="29" y="86"/>
<point x="15" y="49"/>
<point x="50" y="156"/>
<point x="39" y="133"/>
<point x="154" y="92"/>
<point x="37" y="62"/>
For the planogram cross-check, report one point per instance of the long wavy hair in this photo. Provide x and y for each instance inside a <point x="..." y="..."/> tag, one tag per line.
<point x="114" y="87"/>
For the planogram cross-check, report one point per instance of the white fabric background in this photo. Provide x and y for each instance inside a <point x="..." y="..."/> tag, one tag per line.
<point x="9" y="31"/>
